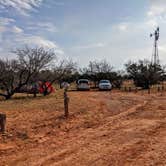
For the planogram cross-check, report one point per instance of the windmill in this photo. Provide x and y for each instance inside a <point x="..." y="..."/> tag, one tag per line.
<point x="155" y="55"/>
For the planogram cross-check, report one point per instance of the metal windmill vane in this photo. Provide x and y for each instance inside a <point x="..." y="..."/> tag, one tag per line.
<point x="155" y="56"/>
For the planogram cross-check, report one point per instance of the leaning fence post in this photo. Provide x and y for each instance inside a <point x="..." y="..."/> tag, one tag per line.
<point x="148" y="90"/>
<point x="129" y="89"/>
<point x="163" y="88"/>
<point x="2" y="122"/>
<point x="66" y="103"/>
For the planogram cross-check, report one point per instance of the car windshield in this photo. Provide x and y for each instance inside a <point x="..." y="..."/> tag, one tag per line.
<point x="104" y="81"/>
<point x="83" y="82"/>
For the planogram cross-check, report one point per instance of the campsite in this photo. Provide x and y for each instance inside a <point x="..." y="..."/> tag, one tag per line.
<point x="82" y="83"/>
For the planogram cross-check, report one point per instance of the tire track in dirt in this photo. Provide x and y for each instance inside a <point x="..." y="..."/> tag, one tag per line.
<point x="139" y="147"/>
<point x="115" y="135"/>
<point x="59" y="157"/>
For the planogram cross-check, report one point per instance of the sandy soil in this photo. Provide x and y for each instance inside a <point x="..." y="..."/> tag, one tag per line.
<point x="104" y="128"/>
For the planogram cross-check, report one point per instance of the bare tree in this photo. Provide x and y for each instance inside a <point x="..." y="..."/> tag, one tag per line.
<point x="97" y="70"/>
<point x="14" y="74"/>
<point x="8" y="69"/>
<point x="61" y="71"/>
<point x="99" y="67"/>
<point x="64" y="70"/>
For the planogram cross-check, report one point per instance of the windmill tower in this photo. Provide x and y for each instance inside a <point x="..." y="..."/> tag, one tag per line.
<point x="155" y="56"/>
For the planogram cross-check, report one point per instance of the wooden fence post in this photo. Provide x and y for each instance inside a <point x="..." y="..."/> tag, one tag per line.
<point x="129" y="89"/>
<point x="66" y="103"/>
<point x="148" y="90"/>
<point x="2" y="122"/>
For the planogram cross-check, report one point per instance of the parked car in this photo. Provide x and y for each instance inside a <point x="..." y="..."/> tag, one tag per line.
<point x="83" y="84"/>
<point x="105" y="85"/>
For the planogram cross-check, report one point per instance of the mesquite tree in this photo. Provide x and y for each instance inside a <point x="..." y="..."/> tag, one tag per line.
<point x="98" y="70"/>
<point x="64" y="70"/>
<point x="14" y="74"/>
<point x="61" y="71"/>
<point x="144" y="73"/>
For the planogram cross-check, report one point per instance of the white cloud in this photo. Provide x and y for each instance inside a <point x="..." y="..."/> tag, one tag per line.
<point x="46" y="26"/>
<point x="152" y="23"/>
<point x="16" y="41"/>
<point x="90" y="46"/>
<point x="157" y="8"/>
<point x="36" y="40"/>
<point x="31" y="40"/>
<point x="2" y="29"/>
<point x="124" y="41"/>
<point x="123" y="26"/>
<point x="6" y="21"/>
<point x="22" y="6"/>
<point x="12" y="36"/>
<point x="16" y="29"/>
<point x="17" y="38"/>
<point x="162" y="48"/>
<point x="6" y="25"/>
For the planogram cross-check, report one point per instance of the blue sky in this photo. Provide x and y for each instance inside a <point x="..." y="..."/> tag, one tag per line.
<point x="84" y="30"/>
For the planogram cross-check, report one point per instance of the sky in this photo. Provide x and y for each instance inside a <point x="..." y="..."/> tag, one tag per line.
<point x="84" y="30"/>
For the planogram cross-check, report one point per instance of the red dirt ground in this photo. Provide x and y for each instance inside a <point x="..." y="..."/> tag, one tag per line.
<point x="104" y="128"/>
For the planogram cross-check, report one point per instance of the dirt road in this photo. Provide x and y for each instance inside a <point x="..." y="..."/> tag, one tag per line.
<point x="103" y="129"/>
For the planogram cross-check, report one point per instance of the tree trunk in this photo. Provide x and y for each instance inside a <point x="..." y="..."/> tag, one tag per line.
<point x="60" y="85"/>
<point x="34" y="94"/>
<point x="35" y="90"/>
<point x="45" y="93"/>
<point x="2" y="122"/>
<point x="10" y="94"/>
<point x="7" y="97"/>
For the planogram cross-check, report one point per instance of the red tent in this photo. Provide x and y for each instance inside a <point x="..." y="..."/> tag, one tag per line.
<point x="47" y="85"/>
